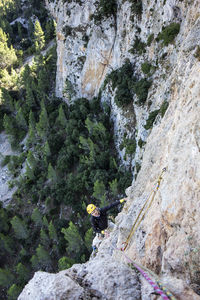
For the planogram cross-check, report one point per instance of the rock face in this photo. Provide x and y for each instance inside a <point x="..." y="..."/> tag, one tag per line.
<point x="167" y="240"/>
<point x="89" y="50"/>
<point x="5" y="192"/>
<point x="97" y="279"/>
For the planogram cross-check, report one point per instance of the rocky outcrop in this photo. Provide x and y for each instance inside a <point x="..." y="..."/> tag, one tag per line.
<point x="5" y="191"/>
<point x="167" y="240"/>
<point x="103" y="278"/>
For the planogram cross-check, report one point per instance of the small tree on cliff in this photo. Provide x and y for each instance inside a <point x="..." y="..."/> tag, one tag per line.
<point x="39" y="39"/>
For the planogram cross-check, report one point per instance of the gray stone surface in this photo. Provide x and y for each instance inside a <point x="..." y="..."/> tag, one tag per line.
<point x="5" y="192"/>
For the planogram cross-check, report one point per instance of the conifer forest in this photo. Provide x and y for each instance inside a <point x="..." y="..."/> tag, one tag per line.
<point x="65" y="156"/>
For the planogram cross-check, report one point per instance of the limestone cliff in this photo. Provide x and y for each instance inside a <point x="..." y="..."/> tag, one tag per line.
<point x="167" y="241"/>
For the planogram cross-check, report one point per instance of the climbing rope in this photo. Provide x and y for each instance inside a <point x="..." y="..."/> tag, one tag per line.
<point x="139" y="217"/>
<point x="158" y="286"/>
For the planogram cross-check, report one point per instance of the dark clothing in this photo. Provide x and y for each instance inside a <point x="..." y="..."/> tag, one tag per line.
<point x="100" y="223"/>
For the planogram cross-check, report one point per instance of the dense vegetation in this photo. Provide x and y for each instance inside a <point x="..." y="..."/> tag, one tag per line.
<point x="65" y="159"/>
<point x="168" y="33"/>
<point x="126" y="84"/>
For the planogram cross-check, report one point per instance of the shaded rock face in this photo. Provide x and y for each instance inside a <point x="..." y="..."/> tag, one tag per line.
<point x="97" y="279"/>
<point x="167" y="240"/>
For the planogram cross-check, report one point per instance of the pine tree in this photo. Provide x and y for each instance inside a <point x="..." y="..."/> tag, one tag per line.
<point x="22" y="272"/>
<point x="61" y="116"/>
<point x="44" y="238"/>
<point x="26" y="75"/>
<point x="99" y="131"/>
<point x="39" y="37"/>
<point x="114" y="187"/>
<point x="31" y="164"/>
<point x="7" y="100"/>
<point x="45" y="221"/>
<point x="52" y="232"/>
<point x="46" y="151"/>
<point x="31" y="29"/>
<point x="8" y="125"/>
<point x="43" y="83"/>
<point x="32" y="138"/>
<point x="21" y="122"/>
<point x="31" y="161"/>
<point x="6" y="277"/>
<point x="100" y="192"/>
<point x="30" y="173"/>
<point x="30" y="99"/>
<point x="43" y="125"/>
<point x="89" y="125"/>
<point x="7" y="55"/>
<point x="7" y="243"/>
<point x="19" y="228"/>
<point x="51" y="173"/>
<point x="37" y="217"/>
<point x="19" y="29"/>
<point x="89" y="238"/>
<point x="50" y="30"/>
<point x="65" y="263"/>
<point x="35" y="262"/>
<point x="32" y="119"/>
<point x="13" y="292"/>
<point x="3" y="220"/>
<point x="43" y="256"/>
<point x="73" y="238"/>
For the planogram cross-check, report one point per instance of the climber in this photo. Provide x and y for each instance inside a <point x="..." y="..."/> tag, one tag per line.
<point x="99" y="217"/>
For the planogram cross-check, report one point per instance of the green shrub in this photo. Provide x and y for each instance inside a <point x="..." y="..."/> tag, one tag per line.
<point x="14" y="291"/>
<point x="130" y="145"/>
<point x="67" y="30"/>
<point x="122" y="79"/>
<point x="168" y="34"/>
<point x="5" y="160"/>
<point x="123" y="95"/>
<point x="105" y="9"/>
<point x="108" y="8"/>
<point x="141" y="143"/>
<point x="150" y="39"/>
<point x="163" y="108"/>
<point x="151" y="119"/>
<point x="136" y="7"/>
<point x="141" y="90"/>
<point x="138" y="167"/>
<point x="138" y="47"/>
<point x="146" y="67"/>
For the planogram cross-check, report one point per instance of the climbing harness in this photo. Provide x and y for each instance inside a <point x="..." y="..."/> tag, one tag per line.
<point x="139" y="217"/>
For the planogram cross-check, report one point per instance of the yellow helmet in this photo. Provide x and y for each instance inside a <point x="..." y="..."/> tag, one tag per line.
<point x="90" y="208"/>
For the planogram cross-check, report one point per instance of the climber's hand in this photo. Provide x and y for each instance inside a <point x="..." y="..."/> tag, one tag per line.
<point x="122" y="200"/>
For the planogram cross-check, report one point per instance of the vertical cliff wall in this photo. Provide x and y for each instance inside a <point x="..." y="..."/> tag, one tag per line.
<point x="90" y="45"/>
<point x="167" y="241"/>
